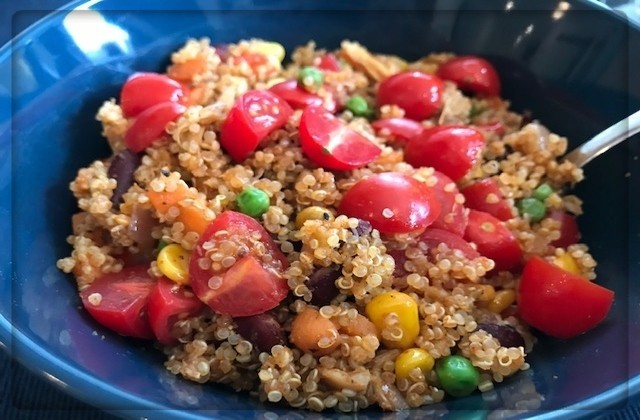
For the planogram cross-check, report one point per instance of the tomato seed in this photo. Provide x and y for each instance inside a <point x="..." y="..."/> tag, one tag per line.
<point x="488" y="227"/>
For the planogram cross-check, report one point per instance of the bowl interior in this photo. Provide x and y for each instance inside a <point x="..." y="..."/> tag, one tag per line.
<point x="573" y="78"/>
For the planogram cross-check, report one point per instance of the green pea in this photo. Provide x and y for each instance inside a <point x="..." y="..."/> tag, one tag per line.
<point x="535" y="208"/>
<point x="161" y="244"/>
<point x="359" y="106"/>
<point x="253" y="202"/>
<point x="457" y="376"/>
<point x="310" y="78"/>
<point x="542" y="192"/>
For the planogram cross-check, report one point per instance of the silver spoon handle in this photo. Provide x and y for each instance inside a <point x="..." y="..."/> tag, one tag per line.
<point x="605" y="140"/>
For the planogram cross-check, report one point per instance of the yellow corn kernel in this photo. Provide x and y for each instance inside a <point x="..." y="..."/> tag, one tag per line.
<point x="406" y="311"/>
<point x="274" y="51"/>
<point x="487" y="292"/>
<point x="413" y="358"/>
<point x="502" y="300"/>
<point x="173" y="262"/>
<point x="313" y="213"/>
<point x="568" y="263"/>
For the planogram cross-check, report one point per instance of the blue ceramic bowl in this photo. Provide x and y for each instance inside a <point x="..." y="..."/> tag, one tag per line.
<point x="575" y="68"/>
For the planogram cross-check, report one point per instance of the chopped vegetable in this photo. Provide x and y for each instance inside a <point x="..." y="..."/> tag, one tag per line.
<point x="253" y="202"/>
<point x="144" y="90"/>
<point x="313" y="213"/>
<point x="150" y="125"/>
<point x="359" y="107"/>
<point x="193" y="218"/>
<point x="457" y="375"/>
<point x="568" y="263"/>
<point x="395" y="311"/>
<point x="493" y="240"/>
<point x="329" y="62"/>
<point x="400" y="129"/>
<point x="533" y="208"/>
<point x="173" y="262"/>
<point x="453" y="216"/>
<point x="299" y="98"/>
<point x="418" y="94"/>
<point x="486" y="195"/>
<point x="542" y="192"/>
<point x="411" y="359"/>
<point x="559" y="303"/>
<point x="569" y="232"/>
<point x="313" y="333"/>
<point x="471" y="74"/>
<point x="502" y="300"/>
<point x="310" y="78"/>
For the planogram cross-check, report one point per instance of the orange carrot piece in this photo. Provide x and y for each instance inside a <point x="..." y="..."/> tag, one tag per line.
<point x="192" y="218"/>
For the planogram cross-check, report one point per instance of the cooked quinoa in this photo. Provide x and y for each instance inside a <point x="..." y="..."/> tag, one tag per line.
<point x="354" y="368"/>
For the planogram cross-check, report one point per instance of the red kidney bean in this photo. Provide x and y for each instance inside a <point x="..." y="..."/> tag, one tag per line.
<point x="122" y="167"/>
<point x="505" y="334"/>
<point x="322" y="284"/>
<point x="263" y="330"/>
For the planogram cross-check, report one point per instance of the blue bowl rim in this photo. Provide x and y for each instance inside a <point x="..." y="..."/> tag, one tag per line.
<point x="72" y="380"/>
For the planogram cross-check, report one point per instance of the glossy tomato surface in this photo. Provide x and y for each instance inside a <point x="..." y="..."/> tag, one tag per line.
<point x="331" y="144"/>
<point x="471" y="74"/>
<point x="433" y="237"/>
<point x="493" y="240"/>
<point x="392" y="202"/>
<point x="252" y="118"/>
<point x="559" y="303"/>
<point x="249" y="286"/>
<point x="150" y="124"/>
<point x="451" y="149"/>
<point x="144" y="90"/>
<point x="299" y="98"/>
<point x="453" y="214"/>
<point x="417" y="93"/>
<point x="569" y="230"/>
<point x="119" y="301"/>
<point x="401" y="129"/>
<point x="486" y="196"/>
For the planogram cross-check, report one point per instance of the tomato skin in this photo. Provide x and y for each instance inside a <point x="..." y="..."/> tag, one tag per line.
<point x="329" y="62"/>
<point x="144" y="90"/>
<point x="392" y="202"/>
<point x="150" y="125"/>
<point x="433" y="237"/>
<point x="401" y="129"/>
<point x="330" y="143"/>
<point x="451" y="149"/>
<point x="419" y="94"/>
<point x="299" y="98"/>
<point x="453" y="214"/>
<point x="471" y="74"/>
<point x="249" y="286"/>
<point x="569" y="231"/>
<point x="476" y="198"/>
<point x="559" y="303"/>
<point x="168" y="303"/>
<point x="124" y="301"/>
<point x="493" y="240"/>
<point x="254" y="116"/>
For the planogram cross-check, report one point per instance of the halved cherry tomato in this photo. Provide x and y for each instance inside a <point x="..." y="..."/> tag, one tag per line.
<point x="254" y="116"/>
<point x="559" y="303"/>
<point x="397" y="128"/>
<point x="169" y="303"/>
<point x="329" y="62"/>
<point x="472" y="74"/>
<point x="451" y="149"/>
<point x="392" y="202"/>
<point x="299" y="98"/>
<point x="569" y="232"/>
<point x="453" y="215"/>
<point x="119" y="301"/>
<point x="419" y="94"/>
<point x="493" y="240"/>
<point x="251" y="285"/>
<point x="433" y="237"/>
<point x="150" y="125"/>
<point x="486" y="196"/>
<point x="330" y="143"/>
<point x="144" y="90"/>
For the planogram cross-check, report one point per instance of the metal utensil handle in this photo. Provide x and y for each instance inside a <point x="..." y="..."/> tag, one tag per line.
<point x="605" y="140"/>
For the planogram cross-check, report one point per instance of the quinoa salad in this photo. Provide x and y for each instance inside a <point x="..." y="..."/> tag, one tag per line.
<point x="335" y="231"/>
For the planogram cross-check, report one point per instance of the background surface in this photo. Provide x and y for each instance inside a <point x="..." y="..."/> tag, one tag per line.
<point x="24" y="395"/>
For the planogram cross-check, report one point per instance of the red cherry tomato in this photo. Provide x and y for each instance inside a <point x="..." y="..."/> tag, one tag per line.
<point x="254" y="60"/>
<point x="150" y="125"/>
<point x="419" y="94"/>
<point x="569" y="232"/>
<point x="144" y="90"/>
<point x="254" y="116"/>
<point x="433" y="237"/>
<point x="401" y="129"/>
<point x="493" y="240"/>
<point x="169" y="303"/>
<point x="330" y="143"/>
<point x="392" y="202"/>
<point x="471" y="74"/>
<point x="451" y="149"/>
<point x="299" y="98"/>
<point x="248" y="287"/>
<point x="493" y="127"/>
<point x="329" y="62"/>
<point x="453" y="215"/>
<point x="119" y="301"/>
<point x="559" y="303"/>
<point x="486" y="196"/>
